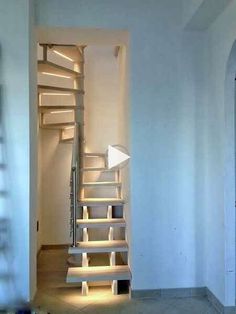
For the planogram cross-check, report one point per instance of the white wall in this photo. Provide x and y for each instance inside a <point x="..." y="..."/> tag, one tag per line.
<point x="199" y="15"/>
<point x="55" y="188"/>
<point x="189" y="9"/>
<point x="164" y="162"/>
<point x="218" y="153"/>
<point x="220" y="160"/>
<point x="18" y="95"/>
<point x="101" y="98"/>
<point x="162" y="158"/>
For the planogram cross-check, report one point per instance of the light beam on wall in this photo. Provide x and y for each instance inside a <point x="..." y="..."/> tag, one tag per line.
<point x="56" y="94"/>
<point x="57" y="75"/>
<point x="62" y="111"/>
<point x="62" y="55"/>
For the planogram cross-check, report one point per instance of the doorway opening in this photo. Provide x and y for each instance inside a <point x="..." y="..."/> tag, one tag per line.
<point x="83" y="215"/>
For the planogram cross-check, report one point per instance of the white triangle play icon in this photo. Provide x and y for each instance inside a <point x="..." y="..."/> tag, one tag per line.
<point x="115" y="157"/>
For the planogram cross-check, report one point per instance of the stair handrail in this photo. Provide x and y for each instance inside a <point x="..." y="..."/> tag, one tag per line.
<point x="74" y="184"/>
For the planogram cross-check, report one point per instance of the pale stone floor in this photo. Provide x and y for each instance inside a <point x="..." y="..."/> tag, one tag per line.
<point x="55" y="296"/>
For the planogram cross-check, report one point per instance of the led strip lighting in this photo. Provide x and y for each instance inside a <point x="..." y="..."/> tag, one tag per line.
<point x="56" y="94"/>
<point x="62" y="55"/>
<point x="57" y="75"/>
<point x="62" y="111"/>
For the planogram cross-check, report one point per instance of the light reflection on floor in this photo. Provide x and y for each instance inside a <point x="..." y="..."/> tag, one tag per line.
<point x="54" y="296"/>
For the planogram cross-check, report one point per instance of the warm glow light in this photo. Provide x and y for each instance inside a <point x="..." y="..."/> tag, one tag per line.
<point x="56" y="94"/>
<point x="62" y="111"/>
<point x="62" y="55"/>
<point x="69" y="127"/>
<point x="103" y="295"/>
<point x="57" y="75"/>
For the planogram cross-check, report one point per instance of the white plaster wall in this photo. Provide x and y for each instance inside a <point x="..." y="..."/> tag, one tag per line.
<point x="217" y="145"/>
<point x="189" y="9"/>
<point x="220" y="153"/>
<point x="160" y="150"/>
<point x="163" y="215"/>
<point x="101" y="98"/>
<point x="55" y="180"/>
<point x="17" y="80"/>
<point x="202" y="15"/>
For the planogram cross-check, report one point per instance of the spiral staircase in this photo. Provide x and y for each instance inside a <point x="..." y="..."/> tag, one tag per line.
<point x="61" y="106"/>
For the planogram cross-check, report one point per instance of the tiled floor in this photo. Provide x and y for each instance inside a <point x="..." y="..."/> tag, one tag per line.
<point x="54" y="296"/>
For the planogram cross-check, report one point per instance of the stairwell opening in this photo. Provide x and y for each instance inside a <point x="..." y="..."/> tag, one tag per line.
<point x="83" y="94"/>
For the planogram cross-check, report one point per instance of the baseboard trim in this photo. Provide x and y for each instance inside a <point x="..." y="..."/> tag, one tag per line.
<point x="185" y="293"/>
<point x="218" y="305"/>
<point x="54" y="246"/>
<point x="169" y="293"/>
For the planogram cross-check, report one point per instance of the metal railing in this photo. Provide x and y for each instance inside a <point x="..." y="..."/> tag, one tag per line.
<point x="74" y="180"/>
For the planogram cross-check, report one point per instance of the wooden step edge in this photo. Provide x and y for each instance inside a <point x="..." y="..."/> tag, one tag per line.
<point x="101" y="223"/>
<point x="100" y="202"/>
<point x="98" y="273"/>
<point x="102" y="155"/>
<point x="103" y="169"/>
<point x="67" y="140"/>
<point x="99" y="247"/>
<point x="45" y="109"/>
<point x="59" y="67"/>
<point x="60" y="125"/>
<point x="101" y="184"/>
<point x="57" y="88"/>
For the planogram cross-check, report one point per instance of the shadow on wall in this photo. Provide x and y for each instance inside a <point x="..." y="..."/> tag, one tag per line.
<point x="9" y="298"/>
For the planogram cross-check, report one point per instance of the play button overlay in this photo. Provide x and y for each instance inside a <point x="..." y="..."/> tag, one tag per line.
<point x="116" y="156"/>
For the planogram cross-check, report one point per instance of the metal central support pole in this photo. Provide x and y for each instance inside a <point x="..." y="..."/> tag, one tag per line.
<point x="74" y="184"/>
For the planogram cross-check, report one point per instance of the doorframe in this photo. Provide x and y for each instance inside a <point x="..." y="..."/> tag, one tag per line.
<point x="230" y="177"/>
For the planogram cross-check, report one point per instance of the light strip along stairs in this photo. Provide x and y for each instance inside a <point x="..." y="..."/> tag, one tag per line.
<point x="73" y="77"/>
<point x="99" y="247"/>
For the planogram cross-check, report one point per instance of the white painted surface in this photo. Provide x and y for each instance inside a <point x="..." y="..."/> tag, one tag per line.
<point x="206" y="14"/>
<point x="189" y="9"/>
<point x="220" y="159"/>
<point x="55" y="191"/>
<point x="177" y="186"/>
<point x="17" y="96"/>
<point x="214" y="89"/>
<point x="162" y="154"/>
<point x="101" y="98"/>
<point x="160" y="116"/>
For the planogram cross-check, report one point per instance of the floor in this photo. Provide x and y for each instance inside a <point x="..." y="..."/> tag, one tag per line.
<point x="55" y="296"/>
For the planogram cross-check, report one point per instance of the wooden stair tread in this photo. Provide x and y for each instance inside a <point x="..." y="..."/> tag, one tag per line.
<point x="47" y="88"/>
<point x="59" y="125"/>
<point x="97" y="169"/>
<point x="101" y="223"/>
<point x="71" y="51"/>
<point x="98" y="273"/>
<point x="58" y="108"/>
<point x="51" y="67"/>
<point x="100" y="201"/>
<point x="68" y="140"/>
<point x="100" y="183"/>
<point x="94" y="155"/>
<point x="99" y="247"/>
